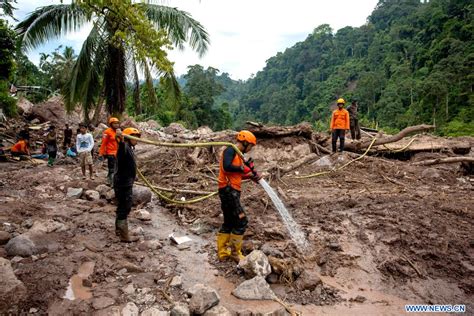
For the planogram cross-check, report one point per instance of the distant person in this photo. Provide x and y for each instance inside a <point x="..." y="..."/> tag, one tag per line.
<point x="67" y="137"/>
<point x="354" y="118"/>
<point x="51" y="145"/>
<point x="124" y="177"/>
<point x="24" y="133"/>
<point x="339" y="124"/>
<point x="108" y="148"/>
<point x="21" y="148"/>
<point x="84" y="145"/>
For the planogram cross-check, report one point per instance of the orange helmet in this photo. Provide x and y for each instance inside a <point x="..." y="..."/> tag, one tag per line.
<point x="131" y="131"/>
<point x="113" y="120"/>
<point x="246" y="136"/>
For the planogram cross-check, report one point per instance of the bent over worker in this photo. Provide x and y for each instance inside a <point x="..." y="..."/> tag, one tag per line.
<point x="231" y="172"/>
<point x="339" y="124"/>
<point x="21" y="148"/>
<point x="108" y="148"/>
<point x="124" y="177"/>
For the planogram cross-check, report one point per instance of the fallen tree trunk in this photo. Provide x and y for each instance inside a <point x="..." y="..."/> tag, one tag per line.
<point x="358" y="146"/>
<point x="444" y="160"/>
<point x="260" y="131"/>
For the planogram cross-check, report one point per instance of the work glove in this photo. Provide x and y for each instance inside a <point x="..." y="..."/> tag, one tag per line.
<point x="256" y="176"/>
<point x="246" y="169"/>
<point x="249" y="163"/>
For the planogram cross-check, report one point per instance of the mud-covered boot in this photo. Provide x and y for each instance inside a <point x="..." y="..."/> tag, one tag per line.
<point x="223" y="250"/>
<point x="124" y="233"/>
<point x="235" y="242"/>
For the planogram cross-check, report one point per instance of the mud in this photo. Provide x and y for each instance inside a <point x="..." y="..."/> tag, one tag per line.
<point x="383" y="233"/>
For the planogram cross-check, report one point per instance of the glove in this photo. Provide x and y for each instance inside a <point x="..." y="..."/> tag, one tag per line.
<point x="256" y="176"/>
<point x="246" y="169"/>
<point x="250" y="163"/>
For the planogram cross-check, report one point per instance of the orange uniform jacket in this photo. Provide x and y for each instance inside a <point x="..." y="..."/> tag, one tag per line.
<point x="20" y="147"/>
<point x="109" y="144"/>
<point x="234" y="179"/>
<point x="340" y="119"/>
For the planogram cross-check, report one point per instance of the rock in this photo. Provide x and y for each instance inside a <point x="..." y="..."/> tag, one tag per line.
<point x="203" y="298"/>
<point x="4" y="237"/>
<point x="102" y="302"/>
<point x="335" y="246"/>
<point x="255" y="264"/>
<point x="130" y="310"/>
<point x="307" y="281"/>
<point x="137" y="231"/>
<point x="324" y="162"/>
<point x="254" y="289"/>
<point x="174" y="128"/>
<point x="218" y="310"/>
<point x="21" y="245"/>
<point x="153" y="124"/>
<point x="200" y="226"/>
<point x="92" y="195"/>
<point x="46" y="227"/>
<point x="33" y="310"/>
<point x="272" y="278"/>
<point x="270" y="251"/>
<point x="141" y="195"/>
<point x="17" y="259"/>
<point x="153" y="244"/>
<point x="430" y="173"/>
<point x="12" y="290"/>
<point x="25" y="107"/>
<point x="180" y="309"/>
<point x="102" y="189"/>
<point x="74" y="193"/>
<point x="358" y="299"/>
<point x="278" y="312"/>
<point x="129" y="289"/>
<point x="110" y="195"/>
<point x="143" y="215"/>
<point x="176" y="281"/>
<point x="53" y="111"/>
<point x="203" y="130"/>
<point x="154" y="312"/>
<point x="27" y="223"/>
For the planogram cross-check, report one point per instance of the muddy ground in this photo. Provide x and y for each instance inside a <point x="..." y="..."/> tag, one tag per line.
<point x="383" y="233"/>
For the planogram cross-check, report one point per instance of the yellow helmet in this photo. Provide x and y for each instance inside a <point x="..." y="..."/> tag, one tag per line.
<point x="113" y="120"/>
<point x="131" y="131"/>
<point x="247" y="136"/>
<point x="341" y="101"/>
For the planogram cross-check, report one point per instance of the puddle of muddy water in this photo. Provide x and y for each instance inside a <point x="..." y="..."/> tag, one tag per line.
<point x="75" y="289"/>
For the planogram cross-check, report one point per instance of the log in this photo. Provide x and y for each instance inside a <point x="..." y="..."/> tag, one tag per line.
<point x="359" y="146"/>
<point x="303" y="129"/>
<point x="444" y="160"/>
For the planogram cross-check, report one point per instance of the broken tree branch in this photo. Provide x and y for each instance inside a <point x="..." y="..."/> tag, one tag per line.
<point x="304" y="129"/>
<point x="444" y="160"/>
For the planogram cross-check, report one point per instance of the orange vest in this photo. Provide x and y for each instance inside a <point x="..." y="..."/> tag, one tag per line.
<point x="109" y="144"/>
<point x="20" y="147"/>
<point x="340" y="119"/>
<point x="234" y="179"/>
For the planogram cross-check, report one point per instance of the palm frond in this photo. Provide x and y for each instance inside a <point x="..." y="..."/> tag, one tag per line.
<point x="50" y="22"/>
<point x="180" y="26"/>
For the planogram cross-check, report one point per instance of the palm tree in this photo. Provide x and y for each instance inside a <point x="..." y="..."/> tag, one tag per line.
<point x="103" y="65"/>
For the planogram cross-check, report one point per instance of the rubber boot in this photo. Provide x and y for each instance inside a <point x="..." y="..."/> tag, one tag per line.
<point x="223" y="250"/>
<point x="124" y="233"/>
<point x="235" y="242"/>
<point x="50" y="162"/>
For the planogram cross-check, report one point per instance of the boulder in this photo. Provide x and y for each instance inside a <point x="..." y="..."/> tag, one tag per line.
<point x="430" y="173"/>
<point x="255" y="264"/>
<point x="203" y="298"/>
<point x="180" y="309"/>
<point x="102" y="189"/>
<point x="174" y="128"/>
<point x="21" y="245"/>
<point x="92" y="195"/>
<point x="4" y="237"/>
<point x="218" y="310"/>
<point x="12" y="290"/>
<point x="153" y="244"/>
<point x="46" y="227"/>
<point x="204" y="130"/>
<point x="153" y="124"/>
<point x="153" y="311"/>
<point x="53" y="111"/>
<point x="110" y="195"/>
<point x="74" y="193"/>
<point x="254" y="289"/>
<point x="143" y="215"/>
<point x="25" y="107"/>
<point x="141" y="195"/>
<point x="130" y="310"/>
<point x="307" y="281"/>
<point x="270" y="251"/>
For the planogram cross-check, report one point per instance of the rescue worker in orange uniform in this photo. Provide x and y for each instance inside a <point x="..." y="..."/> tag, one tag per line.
<point x="232" y="170"/>
<point x="109" y="146"/>
<point x="339" y="124"/>
<point x="20" y="148"/>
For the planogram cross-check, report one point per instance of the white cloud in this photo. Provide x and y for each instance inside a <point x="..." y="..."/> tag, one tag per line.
<point x="245" y="33"/>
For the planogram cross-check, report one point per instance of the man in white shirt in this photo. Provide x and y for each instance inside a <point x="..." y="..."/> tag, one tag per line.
<point x="84" y="145"/>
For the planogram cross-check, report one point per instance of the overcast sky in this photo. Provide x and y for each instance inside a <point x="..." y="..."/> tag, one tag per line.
<point x="243" y="33"/>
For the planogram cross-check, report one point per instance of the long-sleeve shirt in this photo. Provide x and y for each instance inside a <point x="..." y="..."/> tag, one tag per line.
<point x="21" y="147"/>
<point x="340" y="119"/>
<point x="125" y="166"/>
<point x="231" y="170"/>
<point x="109" y="143"/>
<point x="84" y="142"/>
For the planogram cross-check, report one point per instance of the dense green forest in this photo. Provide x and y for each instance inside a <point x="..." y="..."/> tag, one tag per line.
<point x="411" y="63"/>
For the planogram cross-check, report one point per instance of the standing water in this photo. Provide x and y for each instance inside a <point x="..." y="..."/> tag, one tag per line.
<point x="295" y="231"/>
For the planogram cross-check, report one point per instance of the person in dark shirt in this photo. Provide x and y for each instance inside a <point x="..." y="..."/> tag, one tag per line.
<point x="354" y="119"/>
<point x="232" y="170"/>
<point x="67" y="137"/>
<point x="51" y="145"/>
<point x="124" y="177"/>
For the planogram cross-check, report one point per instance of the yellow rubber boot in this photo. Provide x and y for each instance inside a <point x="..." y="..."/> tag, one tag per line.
<point x="236" y="245"/>
<point x="223" y="250"/>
